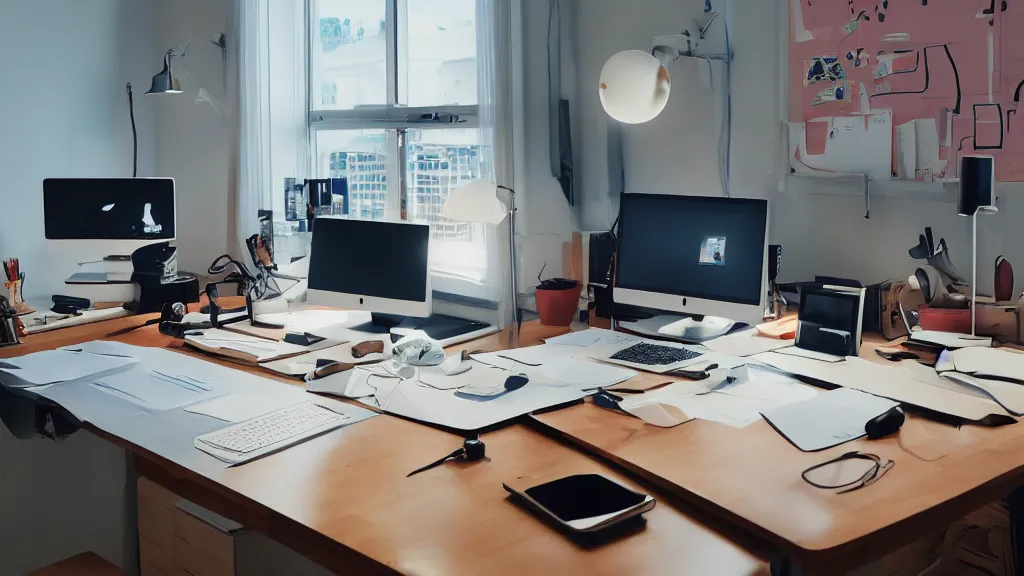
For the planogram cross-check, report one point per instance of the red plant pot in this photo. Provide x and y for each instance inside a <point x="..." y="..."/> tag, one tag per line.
<point x="558" y="307"/>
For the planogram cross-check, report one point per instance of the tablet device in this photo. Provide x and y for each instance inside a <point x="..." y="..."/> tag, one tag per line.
<point x="583" y="503"/>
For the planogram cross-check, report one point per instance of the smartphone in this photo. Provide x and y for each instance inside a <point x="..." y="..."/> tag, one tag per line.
<point x="583" y="503"/>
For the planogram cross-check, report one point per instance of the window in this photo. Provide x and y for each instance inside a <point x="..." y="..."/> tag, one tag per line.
<point x="393" y="108"/>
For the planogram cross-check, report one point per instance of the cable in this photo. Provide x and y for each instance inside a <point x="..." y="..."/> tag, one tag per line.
<point x="135" y="135"/>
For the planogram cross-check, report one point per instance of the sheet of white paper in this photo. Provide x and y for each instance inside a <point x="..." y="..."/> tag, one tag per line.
<point x="889" y="381"/>
<point x="356" y="383"/>
<point x="993" y="362"/>
<point x="241" y="406"/>
<point x="452" y="409"/>
<point x="775" y="388"/>
<point x="810" y="354"/>
<point x="858" y="145"/>
<point x="830" y="419"/>
<point x="592" y="336"/>
<point x="151" y="390"/>
<point x="262" y="350"/>
<point x="950" y="339"/>
<point x="585" y="374"/>
<point x="312" y="320"/>
<point x="52" y="366"/>
<point x="1008" y="394"/>
<point x="745" y="343"/>
<point x="539" y="355"/>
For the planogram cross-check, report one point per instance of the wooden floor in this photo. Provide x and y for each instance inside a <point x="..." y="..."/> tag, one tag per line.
<point x="87" y="564"/>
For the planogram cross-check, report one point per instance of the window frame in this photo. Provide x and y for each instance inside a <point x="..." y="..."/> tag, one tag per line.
<point x="396" y="117"/>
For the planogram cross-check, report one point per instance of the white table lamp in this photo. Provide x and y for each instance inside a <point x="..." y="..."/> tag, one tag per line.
<point x="977" y="196"/>
<point x="478" y="202"/>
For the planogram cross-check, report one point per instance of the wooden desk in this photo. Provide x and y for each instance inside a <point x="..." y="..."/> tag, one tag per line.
<point x="343" y="499"/>
<point x="750" y="478"/>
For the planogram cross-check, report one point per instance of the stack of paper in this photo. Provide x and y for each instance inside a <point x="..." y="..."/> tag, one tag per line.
<point x="736" y="404"/>
<point x="53" y="366"/>
<point x="592" y="337"/>
<point x="746" y="343"/>
<point x="251" y="349"/>
<point x="950" y="339"/>
<point x="829" y="419"/>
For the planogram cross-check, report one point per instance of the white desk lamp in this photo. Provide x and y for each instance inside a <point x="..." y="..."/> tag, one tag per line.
<point x="977" y="195"/>
<point x="478" y="202"/>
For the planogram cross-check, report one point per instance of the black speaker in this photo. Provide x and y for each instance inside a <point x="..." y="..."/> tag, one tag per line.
<point x="774" y="261"/>
<point x="977" y="185"/>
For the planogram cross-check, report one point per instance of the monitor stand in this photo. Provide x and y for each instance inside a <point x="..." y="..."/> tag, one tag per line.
<point x="382" y="323"/>
<point x="698" y="328"/>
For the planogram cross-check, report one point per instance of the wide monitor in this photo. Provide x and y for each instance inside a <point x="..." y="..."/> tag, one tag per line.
<point x="380" y="267"/>
<point x="697" y="255"/>
<point x="109" y="208"/>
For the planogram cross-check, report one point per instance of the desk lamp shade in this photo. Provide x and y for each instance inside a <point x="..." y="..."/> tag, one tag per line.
<point x="475" y="202"/>
<point x="977" y="185"/>
<point x="635" y="87"/>
<point x="165" y="82"/>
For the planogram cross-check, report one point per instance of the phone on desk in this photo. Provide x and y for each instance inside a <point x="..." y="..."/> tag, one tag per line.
<point x="584" y="503"/>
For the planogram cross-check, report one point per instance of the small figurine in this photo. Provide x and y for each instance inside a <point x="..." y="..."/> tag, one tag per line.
<point x="16" y="287"/>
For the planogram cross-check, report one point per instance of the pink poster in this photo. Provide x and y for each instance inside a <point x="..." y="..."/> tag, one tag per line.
<point x="950" y="73"/>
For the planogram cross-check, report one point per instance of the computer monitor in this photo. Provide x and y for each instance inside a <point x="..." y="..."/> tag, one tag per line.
<point x="702" y="256"/>
<point x="109" y="208"/>
<point x="381" y="267"/>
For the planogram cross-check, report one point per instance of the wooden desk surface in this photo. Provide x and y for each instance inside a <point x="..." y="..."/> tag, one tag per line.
<point x="343" y="499"/>
<point x="750" y="477"/>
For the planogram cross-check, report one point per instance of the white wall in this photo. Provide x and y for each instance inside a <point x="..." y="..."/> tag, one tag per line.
<point x="546" y="220"/>
<point x="676" y="153"/>
<point x="194" y="144"/>
<point x="64" y="113"/>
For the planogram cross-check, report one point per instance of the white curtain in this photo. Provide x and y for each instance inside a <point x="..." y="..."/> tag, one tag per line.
<point x="249" y="92"/>
<point x="494" y="78"/>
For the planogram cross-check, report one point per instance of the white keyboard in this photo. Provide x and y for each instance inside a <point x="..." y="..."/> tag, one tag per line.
<point x="269" y="429"/>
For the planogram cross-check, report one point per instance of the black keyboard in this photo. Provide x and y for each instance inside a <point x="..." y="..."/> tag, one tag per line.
<point x="654" y="355"/>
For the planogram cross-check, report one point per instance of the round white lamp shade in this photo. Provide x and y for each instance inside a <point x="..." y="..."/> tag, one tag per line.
<point x="634" y="87"/>
<point x="476" y="202"/>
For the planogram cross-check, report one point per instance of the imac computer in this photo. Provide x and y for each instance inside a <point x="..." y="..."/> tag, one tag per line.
<point x="380" y="267"/>
<point x="383" y="268"/>
<point x="702" y="257"/>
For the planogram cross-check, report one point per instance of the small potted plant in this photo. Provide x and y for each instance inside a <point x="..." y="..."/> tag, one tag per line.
<point x="557" y="300"/>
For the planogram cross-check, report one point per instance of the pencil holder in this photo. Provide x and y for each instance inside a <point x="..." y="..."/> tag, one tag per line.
<point x="16" y="298"/>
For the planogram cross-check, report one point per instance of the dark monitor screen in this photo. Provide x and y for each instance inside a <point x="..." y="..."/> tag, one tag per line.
<point x="380" y="259"/>
<point x="695" y="246"/>
<point x="108" y="208"/>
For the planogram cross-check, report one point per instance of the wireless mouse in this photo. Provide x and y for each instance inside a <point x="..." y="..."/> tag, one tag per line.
<point x="886" y="424"/>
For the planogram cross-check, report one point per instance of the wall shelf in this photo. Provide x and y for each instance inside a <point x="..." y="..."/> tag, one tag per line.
<point x="854" y="185"/>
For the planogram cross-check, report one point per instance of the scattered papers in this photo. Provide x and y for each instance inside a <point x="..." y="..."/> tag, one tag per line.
<point x="150" y="389"/>
<point x="241" y="406"/>
<point x="658" y="414"/>
<point x="591" y="337"/>
<point x="891" y="382"/>
<point x="44" y="320"/>
<point x="1007" y="394"/>
<point x="539" y="355"/>
<point x="453" y="409"/>
<point x="250" y="348"/>
<point x="746" y="343"/>
<point x="810" y="354"/>
<point x="985" y="363"/>
<point x="828" y="420"/>
<point x="52" y="366"/>
<point x="950" y="339"/>
<point x="585" y="374"/>
<point x="305" y="363"/>
<point x="736" y="404"/>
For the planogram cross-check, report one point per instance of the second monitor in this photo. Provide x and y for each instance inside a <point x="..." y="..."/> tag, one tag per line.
<point x="695" y="255"/>
<point x="380" y="267"/>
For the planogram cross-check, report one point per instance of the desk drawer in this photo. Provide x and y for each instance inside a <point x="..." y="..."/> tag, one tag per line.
<point x="156" y="514"/>
<point x="200" y="548"/>
<point x="155" y="561"/>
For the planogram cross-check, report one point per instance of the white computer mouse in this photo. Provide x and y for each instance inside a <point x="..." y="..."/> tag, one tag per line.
<point x="417" y="350"/>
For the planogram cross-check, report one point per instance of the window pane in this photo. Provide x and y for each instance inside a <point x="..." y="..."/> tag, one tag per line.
<point x="361" y="156"/>
<point x="349" y="54"/>
<point x="439" y="45"/>
<point x="437" y="162"/>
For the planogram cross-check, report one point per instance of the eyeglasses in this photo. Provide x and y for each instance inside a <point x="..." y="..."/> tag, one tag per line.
<point x="849" y="472"/>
